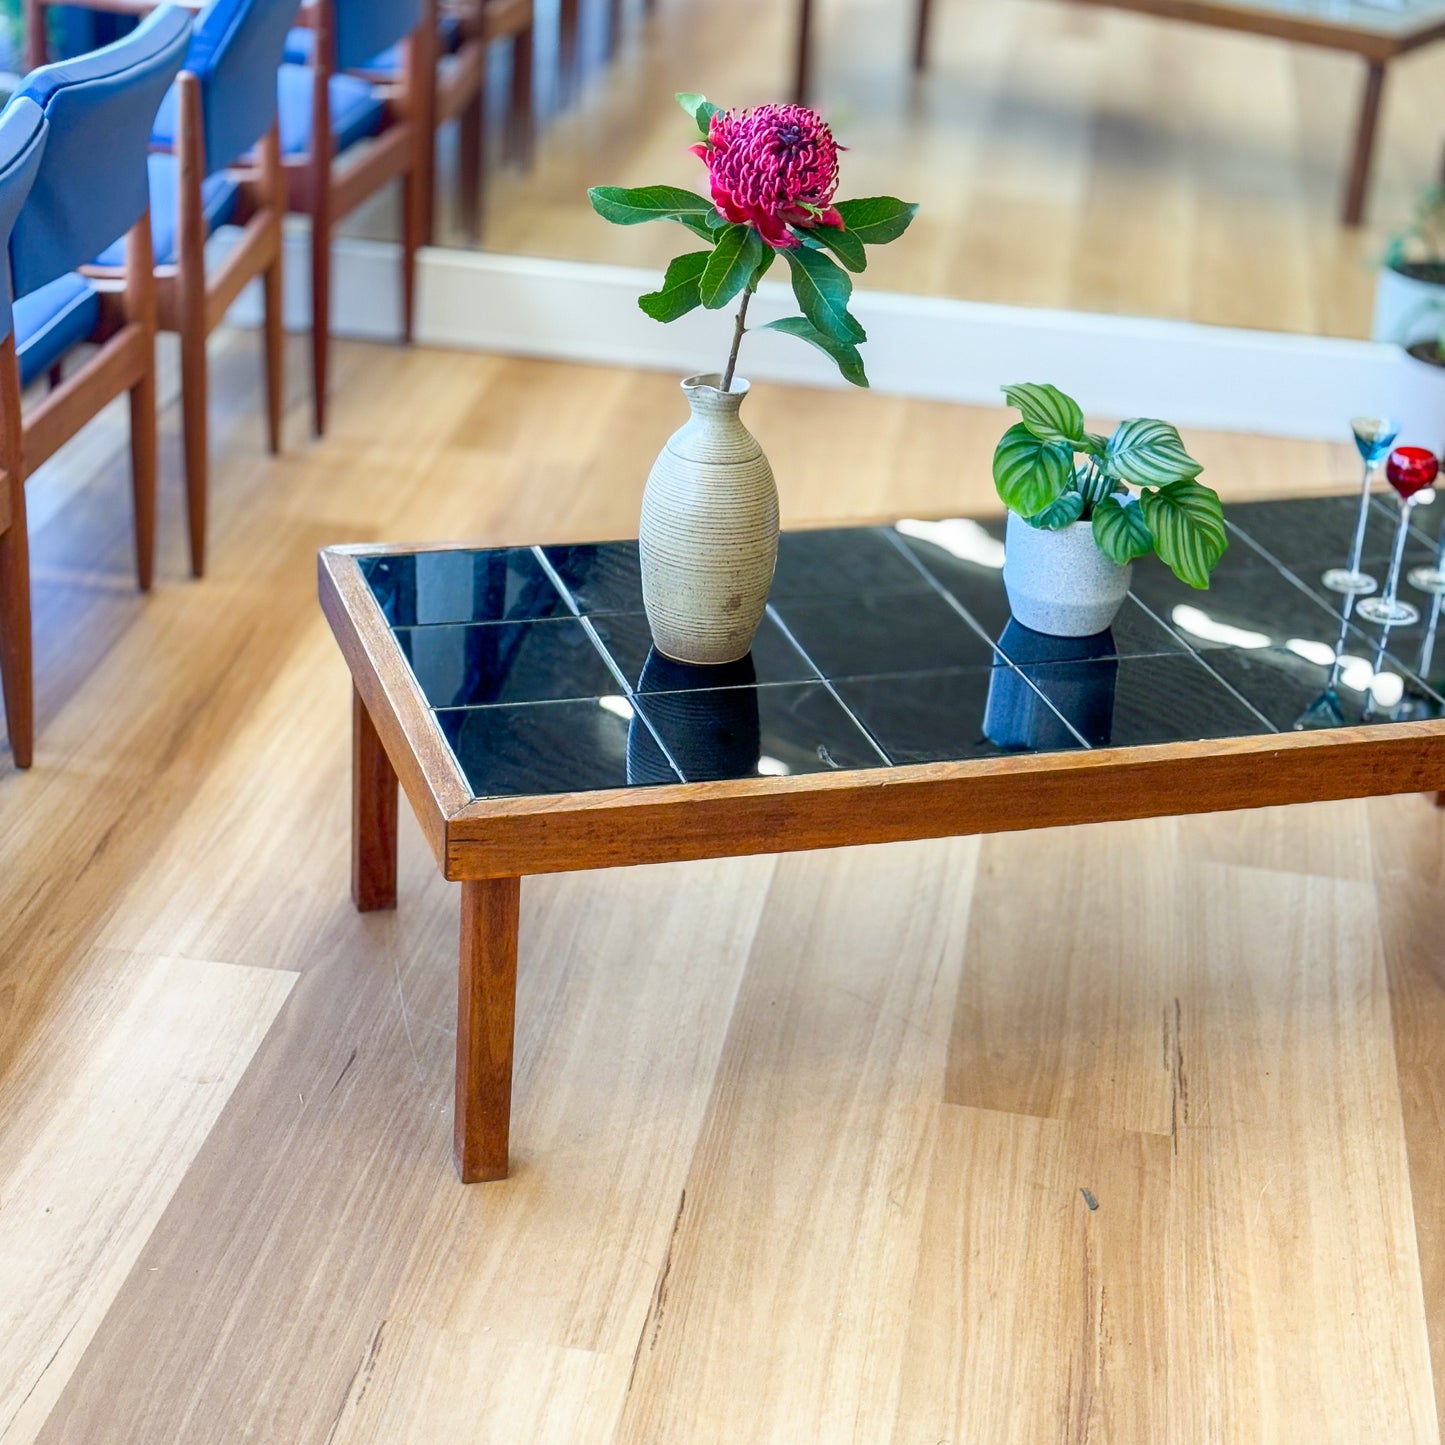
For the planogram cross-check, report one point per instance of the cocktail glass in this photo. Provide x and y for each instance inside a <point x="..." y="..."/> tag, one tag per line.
<point x="1412" y="472"/>
<point x="1374" y="436"/>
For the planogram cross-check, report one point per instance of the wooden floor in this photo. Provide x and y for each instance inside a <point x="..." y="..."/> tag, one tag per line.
<point x="1129" y="1133"/>
<point x="1064" y="156"/>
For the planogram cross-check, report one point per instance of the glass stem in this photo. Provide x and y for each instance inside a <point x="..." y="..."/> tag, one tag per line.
<point x="1401" y="532"/>
<point x="1358" y="550"/>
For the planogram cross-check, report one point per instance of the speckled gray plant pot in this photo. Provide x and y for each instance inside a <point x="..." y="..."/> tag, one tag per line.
<point x="1060" y="583"/>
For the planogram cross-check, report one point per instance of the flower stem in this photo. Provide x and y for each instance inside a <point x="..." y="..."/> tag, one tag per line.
<point x="738" y="331"/>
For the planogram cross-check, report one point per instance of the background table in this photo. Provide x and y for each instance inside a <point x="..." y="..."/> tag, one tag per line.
<point x="889" y="696"/>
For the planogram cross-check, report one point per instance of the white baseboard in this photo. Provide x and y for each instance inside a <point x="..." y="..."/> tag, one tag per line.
<point x="933" y="348"/>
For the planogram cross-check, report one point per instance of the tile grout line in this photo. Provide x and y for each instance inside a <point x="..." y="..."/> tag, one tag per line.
<point x="612" y="665"/>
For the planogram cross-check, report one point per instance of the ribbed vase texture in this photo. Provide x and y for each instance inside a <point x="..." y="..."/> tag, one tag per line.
<point x="709" y="532"/>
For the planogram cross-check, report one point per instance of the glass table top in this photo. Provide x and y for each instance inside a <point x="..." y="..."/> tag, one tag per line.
<point x="889" y="646"/>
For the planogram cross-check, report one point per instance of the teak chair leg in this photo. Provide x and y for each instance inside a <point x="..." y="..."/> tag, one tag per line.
<point x="520" y="122"/>
<point x="486" y="1013"/>
<point x="274" y="181"/>
<point x="140" y="305"/>
<point x="191" y="286"/>
<point x="16" y="666"/>
<point x="803" y="53"/>
<point x="471" y="157"/>
<point x="1358" y="185"/>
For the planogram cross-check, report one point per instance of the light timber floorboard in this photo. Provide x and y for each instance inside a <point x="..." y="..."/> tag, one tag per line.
<point x="802" y="1144"/>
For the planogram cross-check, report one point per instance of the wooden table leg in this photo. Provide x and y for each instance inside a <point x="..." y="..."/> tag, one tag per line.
<point x="921" y="26"/>
<point x="486" y="1010"/>
<point x="1364" y="144"/>
<point x="373" y="815"/>
<point x="803" y="77"/>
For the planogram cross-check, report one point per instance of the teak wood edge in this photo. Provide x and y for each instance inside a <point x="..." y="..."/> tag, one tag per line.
<point x="423" y="763"/>
<point x="509" y="837"/>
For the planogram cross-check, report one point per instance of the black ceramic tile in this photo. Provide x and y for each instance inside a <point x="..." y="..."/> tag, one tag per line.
<point x="504" y="585"/>
<point x="501" y="662"/>
<point x="875" y="633"/>
<point x="1311" y="535"/>
<point x="842" y="560"/>
<point x="1134" y="701"/>
<point x="740" y="732"/>
<point x="927" y="717"/>
<point x="628" y="640"/>
<point x="601" y="576"/>
<point x="553" y="747"/>
<point x="1295" y="692"/>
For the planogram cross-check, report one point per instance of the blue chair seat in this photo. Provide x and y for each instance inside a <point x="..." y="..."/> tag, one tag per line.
<point x="51" y="321"/>
<point x="218" y="202"/>
<point x="301" y="45"/>
<point x="356" y="111"/>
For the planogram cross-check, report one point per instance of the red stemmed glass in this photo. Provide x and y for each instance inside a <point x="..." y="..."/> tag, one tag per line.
<point x="1412" y="472"/>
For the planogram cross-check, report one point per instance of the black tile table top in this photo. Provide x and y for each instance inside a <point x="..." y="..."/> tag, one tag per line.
<point x="890" y="646"/>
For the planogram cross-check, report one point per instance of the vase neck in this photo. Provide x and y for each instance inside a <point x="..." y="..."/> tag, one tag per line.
<point x="709" y="402"/>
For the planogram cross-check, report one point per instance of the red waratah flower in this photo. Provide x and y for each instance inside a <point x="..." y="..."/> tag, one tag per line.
<point x="772" y="167"/>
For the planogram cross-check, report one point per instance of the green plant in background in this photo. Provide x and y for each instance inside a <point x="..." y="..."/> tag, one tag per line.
<point x="1421" y="244"/>
<point x="1053" y="473"/>
<point x="12" y="35"/>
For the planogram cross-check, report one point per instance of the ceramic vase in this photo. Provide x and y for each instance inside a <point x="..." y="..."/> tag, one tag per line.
<point x="1060" y="583"/>
<point x="709" y="531"/>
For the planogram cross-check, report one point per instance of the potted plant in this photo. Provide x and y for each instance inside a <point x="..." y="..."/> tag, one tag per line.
<point x="1410" y="291"/>
<point x="1075" y="528"/>
<point x="709" y="529"/>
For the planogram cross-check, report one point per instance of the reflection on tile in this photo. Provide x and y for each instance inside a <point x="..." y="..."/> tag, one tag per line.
<point x="553" y="747"/>
<point x="1133" y="701"/>
<point x="628" y="640"/>
<point x="1311" y="535"/>
<point x="502" y="662"/>
<point x="842" y="560"/>
<point x="1295" y="692"/>
<point x="884" y="632"/>
<point x="601" y="576"/>
<point x="928" y="717"/>
<point x="740" y="732"/>
<point x="459" y="585"/>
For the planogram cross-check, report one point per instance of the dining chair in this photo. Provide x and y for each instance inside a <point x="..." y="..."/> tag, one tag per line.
<point x="216" y="161"/>
<point x="90" y="186"/>
<point x="344" y="137"/>
<point x="462" y="33"/>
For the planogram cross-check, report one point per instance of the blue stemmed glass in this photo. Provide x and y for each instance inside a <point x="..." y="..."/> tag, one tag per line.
<point x="1374" y="436"/>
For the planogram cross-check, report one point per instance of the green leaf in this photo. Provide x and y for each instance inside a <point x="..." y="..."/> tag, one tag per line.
<point x="1149" y="453"/>
<point x="844" y="353"/>
<point x="823" y="291"/>
<point x="876" y="220"/>
<point x="679" y="293"/>
<point x="1063" y="512"/>
<point x="1120" y="531"/>
<point x="630" y="207"/>
<point x="1030" y="475"/>
<point x="1048" y="413"/>
<point x="845" y="245"/>
<point x="699" y="107"/>
<point x="1188" y="526"/>
<point x="738" y="253"/>
<point x="1094" y="444"/>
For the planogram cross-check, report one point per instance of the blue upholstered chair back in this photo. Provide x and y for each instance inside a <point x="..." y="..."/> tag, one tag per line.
<point x="364" y="28"/>
<point x="235" y="51"/>
<point x="92" y="184"/>
<point x="22" y="143"/>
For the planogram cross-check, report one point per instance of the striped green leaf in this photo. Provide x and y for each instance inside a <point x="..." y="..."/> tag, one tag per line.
<point x="1149" y="453"/>
<point x="1030" y="475"/>
<point x="1120" y="531"/>
<point x="1188" y="526"/>
<point x="1048" y="413"/>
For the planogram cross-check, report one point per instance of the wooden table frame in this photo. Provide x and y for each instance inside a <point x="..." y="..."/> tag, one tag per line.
<point x="489" y="845"/>
<point x="1377" y="49"/>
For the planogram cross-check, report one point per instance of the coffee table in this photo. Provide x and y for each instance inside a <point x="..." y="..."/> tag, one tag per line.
<point x="1376" y="30"/>
<point x="889" y="696"/>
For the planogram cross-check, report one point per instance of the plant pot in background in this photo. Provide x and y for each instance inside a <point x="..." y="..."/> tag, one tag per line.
<point x="709" y="531"/>
<point x="1406" y="297"/>
<point x="1060" y="583"/>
